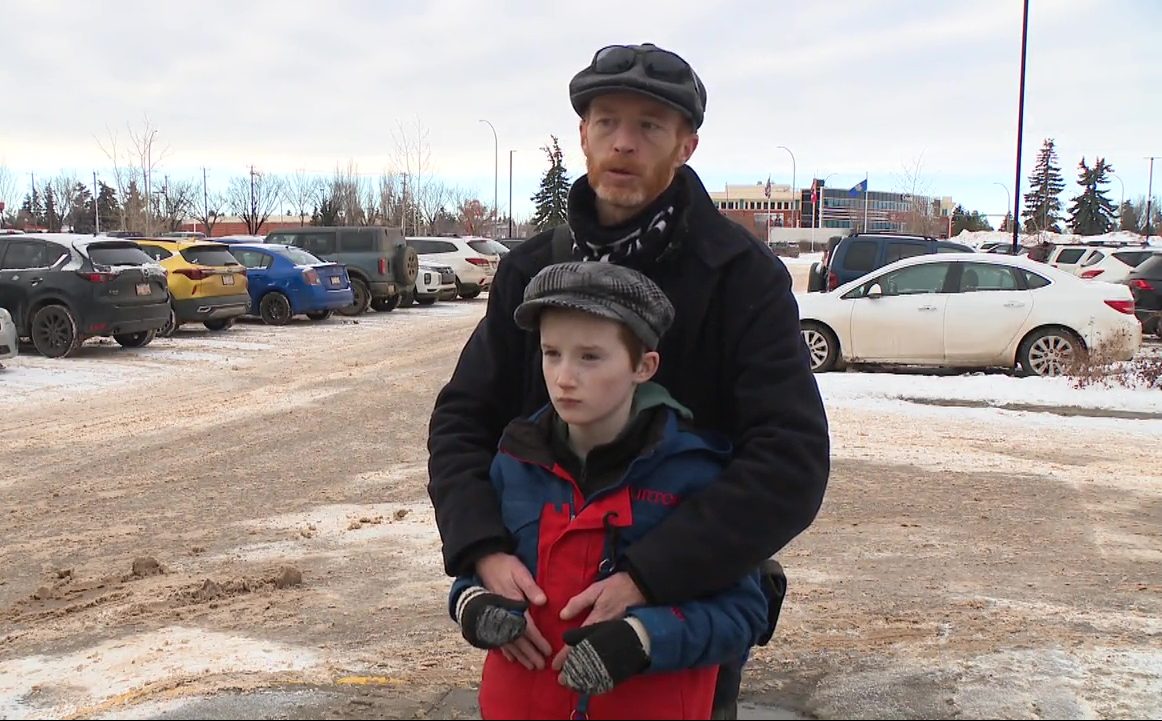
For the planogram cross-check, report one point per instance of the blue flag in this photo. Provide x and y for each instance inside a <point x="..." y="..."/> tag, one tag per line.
<point x="860" y="187"/>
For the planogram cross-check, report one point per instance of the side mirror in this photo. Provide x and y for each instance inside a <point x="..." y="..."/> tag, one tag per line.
<point x="875" y="291"/>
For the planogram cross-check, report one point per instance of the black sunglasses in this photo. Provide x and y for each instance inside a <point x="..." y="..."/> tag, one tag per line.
<point x="659" y="64"/>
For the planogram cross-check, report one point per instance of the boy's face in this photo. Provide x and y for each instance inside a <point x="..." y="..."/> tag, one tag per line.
<point x="588" y="371"/>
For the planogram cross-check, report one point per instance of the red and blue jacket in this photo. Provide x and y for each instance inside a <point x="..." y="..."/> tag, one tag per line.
<point x="569" y="539"/>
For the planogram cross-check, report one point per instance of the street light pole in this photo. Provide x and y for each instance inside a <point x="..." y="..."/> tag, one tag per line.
<point x="495" y="171"/>
<point x="794" y="195"/>
<point x="1150" y="195"/>
<point x="1008" y="203"/>
<point x="510" y="192"/>
<point x="1020" y="123"/>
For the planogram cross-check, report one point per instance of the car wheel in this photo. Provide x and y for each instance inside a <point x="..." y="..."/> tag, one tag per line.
<point x="428" y="300"/>
<point x="319" y="314"/>
<point x="54" y="332"/>
<point x="275" y="309"/>
<point x="822" y="346"/>
<point x="386" y="305"/>
<point x="466" y="294"/>
<point x="219" y="324"/>
<point x="362" y="298"/>
<point x="1050" y="352"/>
<point x="135" y="340"/>
<point x="171" y="324"/>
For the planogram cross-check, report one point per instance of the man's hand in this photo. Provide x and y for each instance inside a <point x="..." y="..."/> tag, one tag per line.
<point x="609" y="600"/>
<point x="506" y="575"/>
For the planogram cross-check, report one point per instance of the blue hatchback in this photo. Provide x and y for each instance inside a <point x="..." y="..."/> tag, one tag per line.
<point x="285" y="281"/>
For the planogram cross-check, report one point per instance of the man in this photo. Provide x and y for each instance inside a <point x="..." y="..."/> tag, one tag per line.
<point x="734" y="357"/>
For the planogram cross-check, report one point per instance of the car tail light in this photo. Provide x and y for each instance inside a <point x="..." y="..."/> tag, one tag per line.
<point x="383" y="266"/>
<point x="98" y="277"/>
<point x="311" y="276"/>
<point x="1141" y="284"/>
<point x="1087" y="274"/>
<point x="481" y="262"/>
<point x="832" y="280"/>
<point x="195" y="273"/>
<point x="1122" y="306"/>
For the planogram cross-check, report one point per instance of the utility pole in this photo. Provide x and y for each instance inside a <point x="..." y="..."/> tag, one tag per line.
<point x="96" y="206"/>
<point x="495" y="161"/>
<point x="1150" y="195"/>
<point x="205" y="200"/>
<point x="403" y="207"/>
<point x="253" y="211"/>
<point x="510" y="192"/>
<point x="165" y="194"/>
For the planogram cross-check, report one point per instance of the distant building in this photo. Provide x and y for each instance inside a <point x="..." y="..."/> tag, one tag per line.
<point x="757" y="207"/>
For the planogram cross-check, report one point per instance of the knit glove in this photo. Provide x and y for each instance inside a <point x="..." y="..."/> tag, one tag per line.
<point x="604" y="654"/>
<point x="488" y="620"/>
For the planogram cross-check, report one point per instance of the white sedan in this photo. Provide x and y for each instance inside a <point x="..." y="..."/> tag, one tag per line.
<point x="967" y="310"/>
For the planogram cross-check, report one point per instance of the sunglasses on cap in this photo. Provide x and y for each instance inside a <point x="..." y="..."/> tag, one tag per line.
<point x="658" y="64"/>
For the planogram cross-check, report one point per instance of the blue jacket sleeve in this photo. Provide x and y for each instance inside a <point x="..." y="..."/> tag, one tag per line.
<point x="460" y="585"/>
<point x="708" y="631"/>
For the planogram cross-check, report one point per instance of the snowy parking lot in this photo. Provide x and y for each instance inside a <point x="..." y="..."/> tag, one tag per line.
<point x="247" y="511"/>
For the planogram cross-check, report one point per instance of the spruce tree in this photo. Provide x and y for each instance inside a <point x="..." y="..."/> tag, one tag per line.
<point x="81" y="210"/>
<point x="108" y="207"/>
<point x="553" y="196"/>
<point x="1042" y="205"/>
<point x="1092" y="213"/>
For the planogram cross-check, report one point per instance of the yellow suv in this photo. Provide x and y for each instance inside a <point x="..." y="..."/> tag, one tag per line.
<point x="206" y="283"/>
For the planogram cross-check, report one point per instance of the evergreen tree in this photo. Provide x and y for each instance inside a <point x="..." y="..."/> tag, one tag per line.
<point x="31" y="211"/>
<point x="52" y="213"/>
<point x="133" y="209"/>
<point x="963" y="220"/>
<point x="108" y="207"/>
<point x="1092" y="213"/>
<point x="552" y="198"/>
<point x="1042" y="206"/>
<point x="81" y="211"/>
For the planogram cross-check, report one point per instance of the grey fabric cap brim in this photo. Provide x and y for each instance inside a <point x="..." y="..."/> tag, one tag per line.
<point x="528" y="314"/>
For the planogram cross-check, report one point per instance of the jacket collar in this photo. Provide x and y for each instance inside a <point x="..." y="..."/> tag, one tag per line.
<point x="712" y="237"/>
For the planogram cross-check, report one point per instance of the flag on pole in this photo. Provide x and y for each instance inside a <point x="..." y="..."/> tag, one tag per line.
<point x="767" y="192"/>
<point x="860" y="187"/>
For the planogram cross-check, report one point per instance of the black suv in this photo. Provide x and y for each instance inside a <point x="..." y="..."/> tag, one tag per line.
<point x="381" y="265"/>
<point x="62" y="289"/>
<point x="859" y="254"/>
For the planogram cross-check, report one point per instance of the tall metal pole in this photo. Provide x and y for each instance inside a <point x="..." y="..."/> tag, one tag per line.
<point x="1150" y="195"/>
<point x="794" y="189"/>
<point x="1008" y="203"/>
<point x="1020" y="125"/>
<point x="205" y="201"/>
<point x="510" y="192"/>
<point x="96" y="206"/>
<point x="495" y="171"/>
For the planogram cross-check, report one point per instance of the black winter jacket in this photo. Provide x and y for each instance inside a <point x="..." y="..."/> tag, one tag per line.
<point x="734" y="356"/>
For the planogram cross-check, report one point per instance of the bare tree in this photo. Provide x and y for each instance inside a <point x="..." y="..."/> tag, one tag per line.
<point x="302" y="193"/>
<point x="922" y="215"/>
<point x="472" y="215"/>
<point x="63" y="189"/>
<point x="176" y="203"/>
<point x="389" y="200"/>
<point x="209" y="210"/>
<point x="124" y="174"/>
<point x="147" y="160"/>
<point x="413" y="156"/>
<point x="254" y="198"/>
<point x="7" y="195"/>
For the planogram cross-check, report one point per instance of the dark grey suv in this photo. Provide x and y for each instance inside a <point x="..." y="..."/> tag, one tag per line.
<point x="61" y="289"/>
<point x="381" y="265"/>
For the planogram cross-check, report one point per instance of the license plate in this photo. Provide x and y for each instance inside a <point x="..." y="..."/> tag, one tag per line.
<point x="336" y="280"/>
<point x="227" y="280"/>
<point x="144" y="289"/>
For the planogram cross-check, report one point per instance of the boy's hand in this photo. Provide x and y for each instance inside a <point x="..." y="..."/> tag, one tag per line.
<point x="487" y="620"/>
<point x="603" y="655"/>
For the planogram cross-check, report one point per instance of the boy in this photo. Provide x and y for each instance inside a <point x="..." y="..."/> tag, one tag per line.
<point x="581" y="480"/>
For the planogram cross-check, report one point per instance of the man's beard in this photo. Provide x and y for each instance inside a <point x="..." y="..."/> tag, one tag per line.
<point x="648" y="183"/>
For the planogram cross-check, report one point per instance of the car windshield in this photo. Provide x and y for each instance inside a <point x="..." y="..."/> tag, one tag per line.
<point x="298" y="256"/>
<point x="487" y="247"/>
<point x="212" y="255"/>
<point x="112" y="254"/>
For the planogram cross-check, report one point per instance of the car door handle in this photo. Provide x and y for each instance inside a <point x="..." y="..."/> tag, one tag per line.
<point x="35" y="281"/>
<point x="926" y="308"/>
<point x="1014" y="304"/>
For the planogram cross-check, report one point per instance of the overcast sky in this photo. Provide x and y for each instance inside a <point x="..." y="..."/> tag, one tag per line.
<point x="849" y="86"/>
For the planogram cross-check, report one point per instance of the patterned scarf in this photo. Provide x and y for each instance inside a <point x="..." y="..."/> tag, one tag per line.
<point x="643" y="240"/>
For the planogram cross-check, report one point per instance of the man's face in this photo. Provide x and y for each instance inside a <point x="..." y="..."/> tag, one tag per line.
<point x="633" y="146"/>
<point x="588" y="370"/>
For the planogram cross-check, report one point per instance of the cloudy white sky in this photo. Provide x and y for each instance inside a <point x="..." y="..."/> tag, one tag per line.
<point x="849" y="86"/>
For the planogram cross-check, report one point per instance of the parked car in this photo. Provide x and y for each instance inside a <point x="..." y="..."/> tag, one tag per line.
<point x="969" y="310"/>
<point x="285" y="281"/>
<point x="1145" y="282"/>
<point x="9" y="340"/>
<point x="435" y="282"/>
<point x="784" y="248"/>
<point x="61" y="289"/>
<point x="207" y="285"/>
<point x="381" y="265"/>
<point x="1112" y="265"/>
<point x="857" y="255"/>
<point x="474" y="260"/>
<point x="511" y="243"/>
